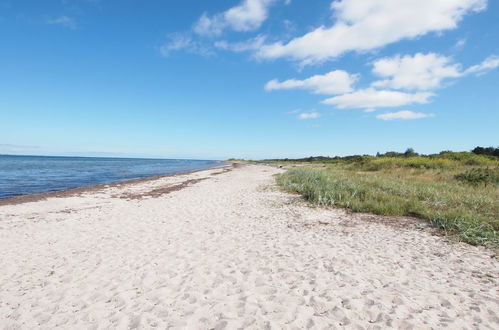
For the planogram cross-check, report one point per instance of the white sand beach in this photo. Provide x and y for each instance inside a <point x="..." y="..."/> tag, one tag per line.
<point x="224" y="248"/>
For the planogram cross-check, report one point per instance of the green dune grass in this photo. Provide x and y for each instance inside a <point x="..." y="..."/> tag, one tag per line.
<point x="460" y="196"/>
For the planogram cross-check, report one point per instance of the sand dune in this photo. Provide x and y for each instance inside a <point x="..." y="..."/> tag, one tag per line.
<point x="204" y="251"/>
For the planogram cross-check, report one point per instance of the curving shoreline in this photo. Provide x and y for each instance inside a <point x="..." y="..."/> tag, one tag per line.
<point x="35" y="197"/>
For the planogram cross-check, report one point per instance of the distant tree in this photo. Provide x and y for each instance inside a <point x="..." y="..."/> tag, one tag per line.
<point x="392" y="154"/>
<point x="410" y="153"/>
<point x="478" y="151"/>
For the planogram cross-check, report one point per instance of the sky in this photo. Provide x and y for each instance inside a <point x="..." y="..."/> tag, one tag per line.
<point x="247" y="79"/>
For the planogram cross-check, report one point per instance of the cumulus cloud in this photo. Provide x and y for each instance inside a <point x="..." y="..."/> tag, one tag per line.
<point x="247" y="16"/>
<point x="403" y="115"/>
<point x="63" y="21"/>
<point x="371" y="98"/>
<point x="364" y="25"/>
<point x="408" y="80"/>
<point x="334" y="82"/>
<point x="419" y="71"/>
<point x="416" y="74"/>
<point x="424" y="71"/>
<point x="309" y="115"/>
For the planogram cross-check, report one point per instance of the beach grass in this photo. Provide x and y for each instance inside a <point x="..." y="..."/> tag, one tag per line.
<point x="460" y="196"/>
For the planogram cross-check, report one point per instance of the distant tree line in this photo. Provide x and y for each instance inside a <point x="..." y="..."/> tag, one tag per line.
<point x="490" y="151"/>
<point x="487" y="151"/>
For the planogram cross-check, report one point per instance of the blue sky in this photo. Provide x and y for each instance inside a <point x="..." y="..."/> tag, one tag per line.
<point x="247" y="78"/>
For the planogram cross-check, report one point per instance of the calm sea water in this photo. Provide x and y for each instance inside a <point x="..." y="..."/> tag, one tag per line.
<point x="35" y="174"/>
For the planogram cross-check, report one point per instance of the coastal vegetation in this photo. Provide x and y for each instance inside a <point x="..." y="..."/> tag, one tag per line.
<point x="455" y="191"/>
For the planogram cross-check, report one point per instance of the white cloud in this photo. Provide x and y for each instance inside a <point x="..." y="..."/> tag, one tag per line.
<point x="420" y="71"/>
<point x="309" y="115"/>
<point x="371" y="98"/>
<point x="364" y="25"/>
<point x="409" y="80"/>
<point x="334" y="82"/>
<point x="179" y="41"/>
<point x="64" y="21"/>
<point x="247" y="16"/>
<point x="210" y="26"/>
<point x="403" y="115"/>
<point x="424" y="71"/>
<point x="488" y="64"/>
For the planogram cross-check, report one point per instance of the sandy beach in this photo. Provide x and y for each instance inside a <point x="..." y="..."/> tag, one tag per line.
<point x="224" y="248"/>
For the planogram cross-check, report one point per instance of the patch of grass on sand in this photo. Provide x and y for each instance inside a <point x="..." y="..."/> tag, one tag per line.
<point x="457" y="195"/>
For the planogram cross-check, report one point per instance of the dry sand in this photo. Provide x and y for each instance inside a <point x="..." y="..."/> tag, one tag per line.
<point x="204" y="251"/>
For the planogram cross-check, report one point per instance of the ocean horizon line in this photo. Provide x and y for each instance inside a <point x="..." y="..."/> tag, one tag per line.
<point x="109" y="157"/>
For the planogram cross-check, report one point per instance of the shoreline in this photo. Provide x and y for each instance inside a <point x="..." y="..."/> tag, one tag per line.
<point x="69" y="192"/>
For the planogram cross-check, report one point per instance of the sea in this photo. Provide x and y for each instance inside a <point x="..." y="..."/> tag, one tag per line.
<point x="21" y="175"/>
